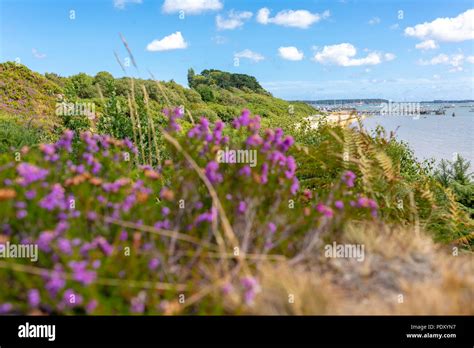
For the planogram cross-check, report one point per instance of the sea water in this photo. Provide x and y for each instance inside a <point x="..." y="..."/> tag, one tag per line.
<point x="433" y="136"/>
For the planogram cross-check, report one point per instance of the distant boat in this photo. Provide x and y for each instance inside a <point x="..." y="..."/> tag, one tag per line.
<point x="454" y="114"/>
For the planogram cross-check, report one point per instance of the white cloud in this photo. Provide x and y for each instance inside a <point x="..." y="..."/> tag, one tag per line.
<point x="37" y="54"/>
<point x="374" y="20"/>
<point x="290" y="53"/>
<point x="120" y="4"/>
<point x="427" y="45"/>
<point x="395" y="26"/>
<point x="171" y="42"/>
<point x="191" y="6"/>
<point x="470" y="59"/>
<point x="456" y="61"/>
<point x="389" y="56"/>
<point x="343" y="55"/>
<point x="219" y="40"/>
<point x="248" y="54"/>
<point x="455" y="29"/>
<point x="234" y="20"/>
<point x="288" y="18"/>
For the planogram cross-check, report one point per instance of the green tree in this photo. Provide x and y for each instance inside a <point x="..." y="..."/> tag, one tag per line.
<point x="191" y="75"/>
<point x="80" y="86"/>
<point x="206" y="93"/>
<point x="106" y="82"/>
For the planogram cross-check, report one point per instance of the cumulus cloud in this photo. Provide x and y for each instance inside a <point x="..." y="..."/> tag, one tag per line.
<point x="234" y="20"/>
<point x="457" y="29"/>
<point x="427" y="45"/>
<point x="248" y="54"/>
<point x="288" y="18"/>
<point x="191" y="6"/>
<point x="290" y="53"/>
<point x="456" y="61"/>
<point x="37" y="54"/>
<point x="374" y="20"/>
<point x="344" y="55"/>
<point x="171" y="42"/>
<point x="120" y="4"/>
<point x="470" y="59"/>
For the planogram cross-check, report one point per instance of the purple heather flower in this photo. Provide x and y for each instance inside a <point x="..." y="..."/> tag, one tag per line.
<point x="96" y="264"/>
<point x="91" y="306"/>
<point x="66" y="141"/>
<point x="61" y="227"/>
<point x="123" y="235"/>
<point x="30" y="173"/>
<point x="49" y="151"/>
<point x="348" y="178"/>
<point x="72" y="299"/>
<point x="339" y="205"/>
<point x="271" y="227"/>
<point x="207" y="216"/>
<point x="254" y="140"/>
<point x="212" y="172"/>
<point x="165" y="211"/>
<point x="137" y="305"/>
<point x="91" y="215"/>
<point x="153" y="264"/>
<point x="245" y="170"/>
<point x="242" y="208"/>
<point x="291" y="165"/>
<point x="264" y="176"/>
<point x="228" y="197"/>
<point x="64" y="246"/>
<point x="55" y="283"/>
<point x="5" y="308"/>
<point x="286" y="143"/>
<point x="104" y="245"/>
<point x="30" y="194"/>
<point x="34" y="298"/>
<point x="295" y="185"/>
<point x="8" y="182"/>
<point x="44" y="240"/>
<point x="55" y="199"/>
<point x="21" y="214"/>
<point x="81" y="274"/>
<point x="227" y="288"/>
<point x="251" y="287"/>
<point x="326" y="211"/>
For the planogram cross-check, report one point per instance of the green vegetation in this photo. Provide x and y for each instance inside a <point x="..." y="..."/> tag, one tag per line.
<point x="142" y="174"/>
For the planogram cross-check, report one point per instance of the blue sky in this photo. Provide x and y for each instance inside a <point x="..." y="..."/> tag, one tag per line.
<point x="311" y="49"/>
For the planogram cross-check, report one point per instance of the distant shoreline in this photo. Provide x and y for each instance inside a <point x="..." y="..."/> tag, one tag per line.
<point x="378" y="101"/>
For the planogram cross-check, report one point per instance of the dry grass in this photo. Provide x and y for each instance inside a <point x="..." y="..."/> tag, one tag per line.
<point x="398" y="261"/>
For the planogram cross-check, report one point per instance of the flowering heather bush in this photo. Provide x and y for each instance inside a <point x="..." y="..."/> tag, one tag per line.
<point x="114" y="238"/>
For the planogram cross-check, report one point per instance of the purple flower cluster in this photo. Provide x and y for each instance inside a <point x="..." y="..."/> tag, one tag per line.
<point x="81" y="273"/>
<point x="173" y="116"/>
<point x="325" y="210"/>
<point x="212" y="172"/>
<point x="348" y="178"/>
<point x="30" y="173"/>
<point x="251" y="288"/>
<point x="55" y="199"/>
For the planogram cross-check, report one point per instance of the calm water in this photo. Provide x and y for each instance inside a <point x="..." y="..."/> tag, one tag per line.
<point x="433" y="136"/>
